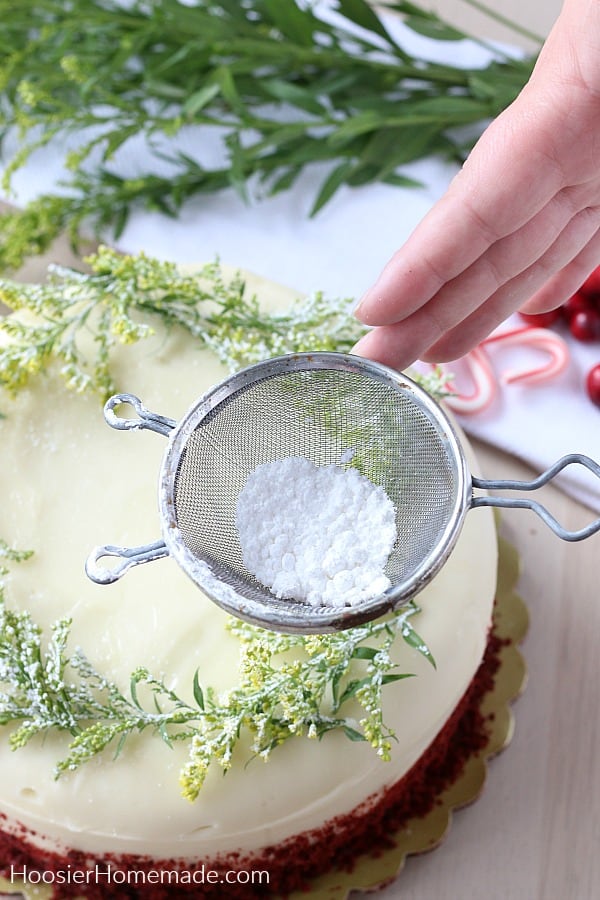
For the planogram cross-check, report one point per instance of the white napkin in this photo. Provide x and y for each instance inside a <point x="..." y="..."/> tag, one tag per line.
<point x="540" y="423"/>
<point x="341" y="252"/>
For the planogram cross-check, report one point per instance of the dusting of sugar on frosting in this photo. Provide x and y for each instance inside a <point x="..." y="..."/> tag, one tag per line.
<point x="318" y="534"/>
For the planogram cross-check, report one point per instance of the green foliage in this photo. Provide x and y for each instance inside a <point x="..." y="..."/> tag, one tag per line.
<point x="290" y="686"/>
<point x="9" y="554"/>
<point x="284" y="88"/>
<point x="78" y="318"/>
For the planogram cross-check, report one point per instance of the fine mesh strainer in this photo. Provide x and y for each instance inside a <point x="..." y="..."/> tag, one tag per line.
<point x="325" y="407"/>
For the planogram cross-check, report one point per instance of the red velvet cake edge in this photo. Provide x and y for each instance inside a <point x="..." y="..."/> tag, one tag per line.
<point x="291" y="864"/>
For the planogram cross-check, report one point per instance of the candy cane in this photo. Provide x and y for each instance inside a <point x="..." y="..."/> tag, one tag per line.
<point x="541" y="338"/>
<point x="484" y="383"/>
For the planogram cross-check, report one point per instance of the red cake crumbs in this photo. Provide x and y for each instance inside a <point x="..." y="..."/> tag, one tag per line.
<point x="291" y="865"/>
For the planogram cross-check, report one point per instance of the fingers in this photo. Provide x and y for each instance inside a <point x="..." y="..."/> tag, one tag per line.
<point x="442" y="330"/>
<point x="503" y="262"/>
<point x="525" y="206"/>
<point x="565" y="283"/>
<point x="423" y="265"/>
<point x="474" y="215"/>
<point x="473" y="329"/>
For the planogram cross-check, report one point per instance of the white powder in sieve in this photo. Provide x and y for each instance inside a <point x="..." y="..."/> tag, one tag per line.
<point x="320" y="534"/>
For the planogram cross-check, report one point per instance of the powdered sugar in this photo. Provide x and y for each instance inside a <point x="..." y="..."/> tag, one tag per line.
<point x="320" y="534"/>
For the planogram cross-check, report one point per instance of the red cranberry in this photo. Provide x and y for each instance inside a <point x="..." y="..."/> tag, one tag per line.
<point x="541" y="320"/>
<point x="585" y="325"/>
<point x="591" y="285"/>
<point x="593" y="384"/>
<point x="579" y="301"/>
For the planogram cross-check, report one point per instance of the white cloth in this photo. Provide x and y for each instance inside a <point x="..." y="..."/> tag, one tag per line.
<point x="340" y="252"/>
<point x="541" y="423"/>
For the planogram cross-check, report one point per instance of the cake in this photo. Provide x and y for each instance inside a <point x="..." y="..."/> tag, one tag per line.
<point x="69" y="482"/>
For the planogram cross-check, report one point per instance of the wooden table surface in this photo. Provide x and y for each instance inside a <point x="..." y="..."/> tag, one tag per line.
<point x="534" y="833"/>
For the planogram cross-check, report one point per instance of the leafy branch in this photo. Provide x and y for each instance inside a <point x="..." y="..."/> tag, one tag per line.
<point x="280" y="86"/>
<point x="290" y="686"/>
<point x="9" y="554"/>
<point x="75" y="319"/>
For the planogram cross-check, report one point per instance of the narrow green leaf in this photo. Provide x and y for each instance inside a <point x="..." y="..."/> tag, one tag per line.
<point x="200" y="99"/>
<point x="162" y="730"/>
<point x="335" y="688"/>
<point x="401" y="181"/>
<point x="351" y="688"/>
<point x="331" y="184"/>
<point x="285" y="181"/>
<point x="237" y="165"/>
<point x="224" y="79"/>
<point x="198" y="693"/>
<point x="481" y="87"/>
<point x="295" y="23"/>
<point x="365" y="652"/>
<point x="292" y="94"/>
<point x="363" y="173"/>
<point x="434" y="28"/>
<point x="415" y="143"/>
<point x="116" y="139"/>
<point x="121" y="216"/>
<point x="353" y="734"/>
<point x="382" y="145"/>
<point x="389" y="679"/>
<point x="234" y="8"/>
<point x="133" y="690"/>
<point x="120" y="744"/>
<point x="424" y="21"/>
<point x="415" y="641"/>
<point x="361" y="13"/>
<point x="334" y="83"/>
<point x="452" y="108"/>
<point x="355" y="125"/>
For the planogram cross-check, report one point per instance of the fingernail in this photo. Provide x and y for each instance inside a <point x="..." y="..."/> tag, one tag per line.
<point x="357" y="309"/>
<point x="362" y="308"/>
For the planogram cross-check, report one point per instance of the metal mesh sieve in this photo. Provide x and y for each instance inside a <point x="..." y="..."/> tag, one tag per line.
<point x="324" y="416"/>
<point x="329" y="408"/>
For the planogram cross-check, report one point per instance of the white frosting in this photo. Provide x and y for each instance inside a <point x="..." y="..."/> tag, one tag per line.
<point x="69" y="482"/>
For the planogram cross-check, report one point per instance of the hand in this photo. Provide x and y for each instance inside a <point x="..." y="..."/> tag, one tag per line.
<point x="519" y="226"/>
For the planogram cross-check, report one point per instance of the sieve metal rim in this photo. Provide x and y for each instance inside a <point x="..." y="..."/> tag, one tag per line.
<point x="293" y="616"/>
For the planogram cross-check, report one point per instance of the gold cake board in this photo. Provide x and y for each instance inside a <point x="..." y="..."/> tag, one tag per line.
<point x="423" y="834"/>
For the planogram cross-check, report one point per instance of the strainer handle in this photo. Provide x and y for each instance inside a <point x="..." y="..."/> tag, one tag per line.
<point x="129" y="556"/>
<point x="542" y="512"/>
<point x="149" y="420"/>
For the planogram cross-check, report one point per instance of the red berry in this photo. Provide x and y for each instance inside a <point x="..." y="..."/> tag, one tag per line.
<point x="575" y="304"/>
<point x="591" y="285"/>
<point x="593" y="384"/>
<point x="585" y="325"/>
<point x="541" y="320"/>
